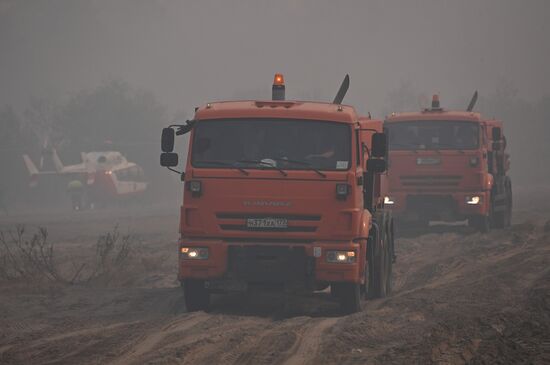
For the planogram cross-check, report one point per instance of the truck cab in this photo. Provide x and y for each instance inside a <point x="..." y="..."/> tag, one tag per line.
<point x="282" y="195"/>
<point x="448" y="166"/>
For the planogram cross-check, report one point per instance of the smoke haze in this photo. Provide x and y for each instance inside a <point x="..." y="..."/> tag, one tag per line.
<point x="191" y="52"/>
<point x="113" y="64"/>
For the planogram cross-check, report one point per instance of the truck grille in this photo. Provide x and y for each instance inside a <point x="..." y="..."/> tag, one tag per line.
<point x="430" y="180"/>
<point x="296" y="223"/>
<point x="432" y="206"/>
<point x="268" y="263"/>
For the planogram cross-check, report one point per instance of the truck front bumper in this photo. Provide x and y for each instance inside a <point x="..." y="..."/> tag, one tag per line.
<point x="439" y="206"/>
<point x="303" y="264"/>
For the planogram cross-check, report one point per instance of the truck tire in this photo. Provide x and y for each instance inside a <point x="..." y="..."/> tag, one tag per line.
<point x="196" y="295"/>
<point x="509" y="204"/>
<point x="334" y="291"/>
<point x="380" y="258"/>
<point x="393" y="236"/>
<point x="350" y="297"/>
<point x="371" y="290"/>
<point x="382" y="264"/>
<point x="503" y="218"/>
<point x="481" y="223"/>
<point x="390" y="256"/>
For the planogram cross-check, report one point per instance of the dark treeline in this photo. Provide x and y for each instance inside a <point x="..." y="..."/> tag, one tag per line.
<point x="114" y="116"/>
<point x="527" y="125"/>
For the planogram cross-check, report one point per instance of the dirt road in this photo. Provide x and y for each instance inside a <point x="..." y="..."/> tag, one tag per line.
<point x="459" y="298"/>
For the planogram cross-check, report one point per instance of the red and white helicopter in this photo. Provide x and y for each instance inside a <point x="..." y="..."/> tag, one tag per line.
<point x="107" y="175"/>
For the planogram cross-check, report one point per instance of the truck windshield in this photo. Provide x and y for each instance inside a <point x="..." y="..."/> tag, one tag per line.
<point x="433" y="135"/>
<point x="288" y="144"/>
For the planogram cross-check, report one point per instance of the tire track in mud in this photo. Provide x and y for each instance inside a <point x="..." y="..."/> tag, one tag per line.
<point x="230" y="345"/>
<point x="270" y="345"/>
<point x="198" y="338"/>
<point x="89" y="345"/>
<point x="308" y="343"/>
<point x="457" y="297"/>
<point x="83" y="332"/>
<point x="67" y="346"/>
<point x="291" y="341"/>
<point x="148" y="342"/>
<point x="460" y="298"/>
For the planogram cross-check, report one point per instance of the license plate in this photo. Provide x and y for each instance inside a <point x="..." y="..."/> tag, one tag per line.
<point x="280" y="223"/>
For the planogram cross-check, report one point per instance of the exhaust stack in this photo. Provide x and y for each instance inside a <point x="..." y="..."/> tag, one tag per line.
<point x="342" y="91"/>
<point x="472" y="102"/>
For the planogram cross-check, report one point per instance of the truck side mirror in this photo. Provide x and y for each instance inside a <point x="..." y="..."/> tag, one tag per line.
<point x="377" y="166"/>
<point x="169" y="159"/>
<point x="379" y="145"/>
<point x="167" y="140"/>
<point x="497" y="134"/>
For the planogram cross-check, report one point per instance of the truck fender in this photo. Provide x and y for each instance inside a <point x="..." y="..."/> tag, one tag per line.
<point x="366" y="224"/>
<point x="365" y="231"/>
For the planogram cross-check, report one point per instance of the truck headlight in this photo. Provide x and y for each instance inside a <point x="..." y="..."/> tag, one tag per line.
<point x="389" y="200"/>
<point x="194" y="253"/>
<point x="341" y="257"/>
<point x="473" y="200"/>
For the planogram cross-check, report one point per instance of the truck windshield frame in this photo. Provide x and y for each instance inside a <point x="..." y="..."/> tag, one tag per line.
<point x="433" y="135"/>
<point x="306" y="144"/>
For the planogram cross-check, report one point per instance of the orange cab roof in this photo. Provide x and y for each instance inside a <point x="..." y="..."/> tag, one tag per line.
<point x="277" y="109"/>
<point x="434" y="115"/>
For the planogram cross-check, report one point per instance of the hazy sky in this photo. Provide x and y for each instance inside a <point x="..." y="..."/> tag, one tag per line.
<point x="190" y="52"/>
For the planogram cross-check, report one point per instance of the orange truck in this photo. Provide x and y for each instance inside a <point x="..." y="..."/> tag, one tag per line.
<point x="448" y="165"/>
<point x="283" y="196"/>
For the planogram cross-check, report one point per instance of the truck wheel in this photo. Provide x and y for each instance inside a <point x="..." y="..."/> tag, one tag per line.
<point x="392" y="248"/>
<point x="380" y="267"/>
<point x="503" y="219"/>
<point x="481" y="223"/>
<point x="389" y="260"/>
<point x="508" y="216"/>
<point x="350" y="297"/>
<point x="370" y="281"/>
<point x="498" y="220"/>
<point x="379" y="256"/>
<point x="383" y="259"/>
<point x="197" y="296"/>
<point x="334" y="291"/>
<point x="508" y="219"/>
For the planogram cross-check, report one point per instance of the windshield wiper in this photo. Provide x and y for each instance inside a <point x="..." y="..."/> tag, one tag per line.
<point x="223" y="163"/>
<point x="265" y="163"/>
<point x="303" y="163"/>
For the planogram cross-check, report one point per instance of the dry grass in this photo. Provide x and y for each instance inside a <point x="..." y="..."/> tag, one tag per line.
<point x="31" y="258"/>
